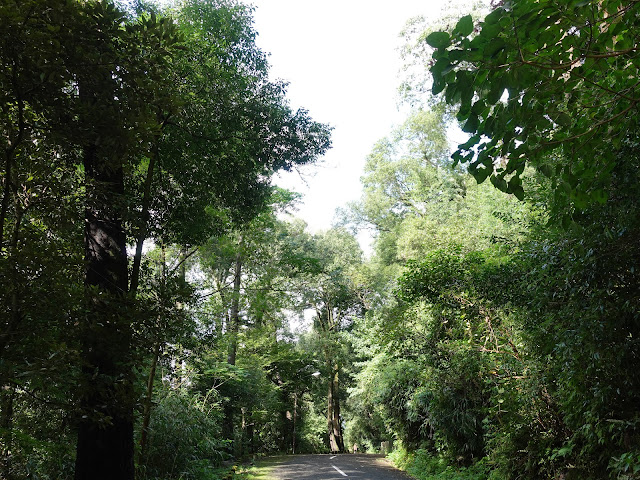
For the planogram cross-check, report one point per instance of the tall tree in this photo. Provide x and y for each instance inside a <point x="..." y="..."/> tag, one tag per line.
<point x="331" y="294"/>
<point x="117" y="117"/>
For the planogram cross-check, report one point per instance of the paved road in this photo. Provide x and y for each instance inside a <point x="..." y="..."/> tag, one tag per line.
<point x="336" y="467"/>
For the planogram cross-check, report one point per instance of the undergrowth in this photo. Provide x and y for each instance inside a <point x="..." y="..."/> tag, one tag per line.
<point x="424" y="465"/>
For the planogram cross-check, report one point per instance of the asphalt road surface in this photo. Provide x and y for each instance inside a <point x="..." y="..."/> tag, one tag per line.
<point x="336" y="467"/>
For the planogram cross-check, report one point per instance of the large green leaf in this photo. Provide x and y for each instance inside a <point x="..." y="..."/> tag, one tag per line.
<point x="438" y="39"/>
<point x="464" y="26"/>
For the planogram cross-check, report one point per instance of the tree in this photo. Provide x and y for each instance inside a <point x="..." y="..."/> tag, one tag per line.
<point x="416" y="201"/>
<point x="117" y="96"/>
<point x="543" y="84"/>
<point x="96" y="96"/>
<point x="234" y="128"/>
<point x="332" y="295"/>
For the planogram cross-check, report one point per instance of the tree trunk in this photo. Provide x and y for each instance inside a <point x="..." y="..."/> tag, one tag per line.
<point x="295" y="414"/>
<point x="105" y="430"/>
<point x="336" y="442"/>
<point x="6" y="196"/>
<point x="147" y="404"/>
<point x="9" y="186"/>
<point x="8" y="393"/>
<point x="6" y="424"/>
<point x="15" y="316"/>
<point x="234" y="316"/>
<point x="233" y="325"/>
<point x="144" y="215"/>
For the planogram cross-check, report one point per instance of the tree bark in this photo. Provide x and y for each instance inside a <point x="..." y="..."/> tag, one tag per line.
<point x="144" y="223"/>
<point x="234" y="316"/>
<point x="6" y="196"/>
<point x="336" y="443"/>
<point x="233" y="327"/>
<point x="295" y="414"/>
<point x="105" y="429"/>
<point x="327" y="325"/>
<point x="15" y="315"/>
<point x="9" y="154"/>
<point x="6" y="423"/>
<point x="147" y="404"/>
<point x="144" y="214"/>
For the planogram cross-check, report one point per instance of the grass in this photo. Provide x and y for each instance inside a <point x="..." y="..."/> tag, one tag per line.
<point x="261" y="470"/>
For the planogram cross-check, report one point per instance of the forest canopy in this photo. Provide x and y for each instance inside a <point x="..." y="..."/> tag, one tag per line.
<point x="164" y="315"/>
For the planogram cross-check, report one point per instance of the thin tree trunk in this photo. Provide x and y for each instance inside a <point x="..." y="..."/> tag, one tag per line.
<point x="144" y="215"/>
<point x="234" y="316"/>
<point x="233" y="325"/>
<point x="6" y="195"/>
<point x="295" y="414"/>
<point x="15" y="317"/>
<point x="147" y="404"/>
<point x="144" y="223"/>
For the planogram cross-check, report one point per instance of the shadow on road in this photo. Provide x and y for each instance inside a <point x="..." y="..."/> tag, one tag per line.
<point x="335" y="467"/>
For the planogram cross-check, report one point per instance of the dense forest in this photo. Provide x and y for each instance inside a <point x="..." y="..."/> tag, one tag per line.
<point x="164" y="314"/>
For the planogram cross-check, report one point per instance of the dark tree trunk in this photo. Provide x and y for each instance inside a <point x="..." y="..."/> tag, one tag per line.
<point x="6" y="424"/>
<point x="7" y="188"/>
<point x="105" y="430"/>
<point x="9" y="153"/>
<point x="15" y="317"/>
<point x="234" y="316"/>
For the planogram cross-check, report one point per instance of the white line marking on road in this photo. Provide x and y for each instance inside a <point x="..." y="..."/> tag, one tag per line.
<point x="339" y="471"/>
<point x="331" y="458"/>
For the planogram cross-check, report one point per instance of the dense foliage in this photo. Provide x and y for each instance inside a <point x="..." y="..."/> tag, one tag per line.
<point x="121" y="126"/>
<point x="511" y="347"/>
<point x="492" y="333"/>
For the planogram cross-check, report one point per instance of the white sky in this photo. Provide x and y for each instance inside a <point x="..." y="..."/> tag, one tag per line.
<point x="342" y="62"/>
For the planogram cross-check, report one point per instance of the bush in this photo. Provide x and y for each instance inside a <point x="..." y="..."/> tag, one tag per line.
<point x="423" y="465"/>
<point x="185" y="437"/>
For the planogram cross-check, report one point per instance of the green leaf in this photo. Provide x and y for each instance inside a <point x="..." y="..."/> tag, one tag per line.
<point x="563" y="120"/>
<point x="440" y="66"/>
<point x="600" y="196"/>
<point x="494" y="17"/>
<point x="499" y="183"/>
<point x="471" y="125"/>
<point x="464" y="26"/>
<point x="516" y="189"/>
<point x="470" y="143"/>
<point x="546" y="170"/>
<point x="438" y="86"/>
<point x="438" y="40"/>
<point x="495" y="92"/>
<point x="495" y="46"/>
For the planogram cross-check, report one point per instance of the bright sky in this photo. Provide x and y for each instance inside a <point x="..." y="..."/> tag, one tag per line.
<point x="341" y="59"/>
